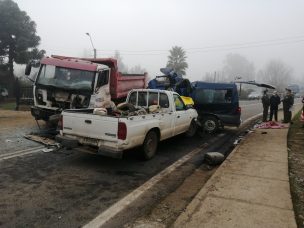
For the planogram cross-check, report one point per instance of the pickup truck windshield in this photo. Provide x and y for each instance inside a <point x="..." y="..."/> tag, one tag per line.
<point x="66" y="78"/>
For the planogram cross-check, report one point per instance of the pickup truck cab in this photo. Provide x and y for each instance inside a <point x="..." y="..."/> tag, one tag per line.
<point x="111" y="135"/>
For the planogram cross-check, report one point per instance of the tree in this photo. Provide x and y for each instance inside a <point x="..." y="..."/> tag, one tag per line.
<point x="277" y="74"/>
<point x="18" y="39"/>
<point x="137" y="69"/>
<point x="177" y="60"/>
<point x="121" y="66"/>
<point x="238" y="66"/>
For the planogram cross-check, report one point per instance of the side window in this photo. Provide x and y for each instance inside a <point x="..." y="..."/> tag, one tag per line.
<point x="103" y="78"/>
<point x="153" y="99"/>
<point x="163" y="100"/>
<point x="179" y="104"/>
<point x="142" y="99"/>
<point x="212" y="96"/>
<point x="132" y="98"/>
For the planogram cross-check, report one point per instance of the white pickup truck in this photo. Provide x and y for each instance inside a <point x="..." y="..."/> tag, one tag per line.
<point x="110" y="135"/>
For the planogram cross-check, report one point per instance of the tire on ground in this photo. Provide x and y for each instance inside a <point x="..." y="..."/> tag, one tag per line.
<point x="192" y="129"/>
<point x="211" y="124"/>
<point x="150" y="144"/>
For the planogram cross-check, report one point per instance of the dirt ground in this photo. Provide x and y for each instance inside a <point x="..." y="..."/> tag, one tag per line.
<point x="20" y="119"/>
<point x="296" y="168"/>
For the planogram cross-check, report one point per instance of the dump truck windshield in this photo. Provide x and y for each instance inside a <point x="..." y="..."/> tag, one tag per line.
<point x="66" y="78"/>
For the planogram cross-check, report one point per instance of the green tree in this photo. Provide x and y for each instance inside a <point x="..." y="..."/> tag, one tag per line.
<point x="18" y="39"/>
<point x="177" y="60"/>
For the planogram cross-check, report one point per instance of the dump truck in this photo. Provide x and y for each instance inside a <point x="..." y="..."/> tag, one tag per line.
<point x="69" y="82"/>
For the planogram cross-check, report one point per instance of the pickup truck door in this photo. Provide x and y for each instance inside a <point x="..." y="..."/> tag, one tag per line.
<point x="181" y="117"/>
<point x="166" y="118"/>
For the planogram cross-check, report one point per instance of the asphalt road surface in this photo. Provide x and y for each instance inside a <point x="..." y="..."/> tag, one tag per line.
<point x="66" y="188"/>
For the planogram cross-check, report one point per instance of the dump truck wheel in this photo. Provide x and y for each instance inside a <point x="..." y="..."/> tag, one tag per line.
<point x="150" y="145"/>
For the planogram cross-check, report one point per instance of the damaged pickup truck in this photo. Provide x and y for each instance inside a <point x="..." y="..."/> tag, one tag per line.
<point x="69" y="82"/>
<point x="147" y="117"/>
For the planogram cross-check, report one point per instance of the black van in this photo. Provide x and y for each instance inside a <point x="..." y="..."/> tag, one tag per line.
<point x="217" y="104"/>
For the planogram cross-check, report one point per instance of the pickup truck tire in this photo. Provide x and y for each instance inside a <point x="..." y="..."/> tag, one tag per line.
<point x="150" y="145"/>
<point x="192" y="129"/>
<point x="211" y="124"/>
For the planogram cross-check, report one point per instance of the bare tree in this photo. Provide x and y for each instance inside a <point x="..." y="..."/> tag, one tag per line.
<point x="276" y="73"/>
<point x="177" y="60"/>
<point x="137" y="69"/>
<point x="238" y="66"/>
<point x="121" y="66"/>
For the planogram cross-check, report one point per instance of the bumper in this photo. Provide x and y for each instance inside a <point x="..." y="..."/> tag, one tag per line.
<point x="72" y="143"/>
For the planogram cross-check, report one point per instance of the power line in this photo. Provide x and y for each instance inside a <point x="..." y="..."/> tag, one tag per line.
<point x="205" y="50"/>
<point x="264" y="42"/>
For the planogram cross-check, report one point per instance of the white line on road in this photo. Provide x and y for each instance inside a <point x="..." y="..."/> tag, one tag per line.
<point x="21" y="153"/>
<point x="108" y="214"/>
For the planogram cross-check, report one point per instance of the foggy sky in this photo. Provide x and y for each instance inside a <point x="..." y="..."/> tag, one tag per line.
<point x="144" y="30"/>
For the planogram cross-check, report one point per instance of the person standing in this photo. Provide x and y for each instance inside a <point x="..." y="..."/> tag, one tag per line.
<point x="274" y="105"/>
<point x="266" y="103"/>
<point x="287" y="105"/>
<point x="17" y="93"/>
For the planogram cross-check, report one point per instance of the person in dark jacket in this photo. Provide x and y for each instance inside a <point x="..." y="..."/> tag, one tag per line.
<point x="274" y="105"/>
<point x="288" y="101"/>
<point x="266" y="103"/>
<point x="17" y="93"/>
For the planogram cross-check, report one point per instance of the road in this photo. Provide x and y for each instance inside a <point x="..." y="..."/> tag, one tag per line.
<point x="69" y="189"/>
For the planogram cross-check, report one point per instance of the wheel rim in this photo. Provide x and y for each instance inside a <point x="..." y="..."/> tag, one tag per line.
<point x="210" y="125"/>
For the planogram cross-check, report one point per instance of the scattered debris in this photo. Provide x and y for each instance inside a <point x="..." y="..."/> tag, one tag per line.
<point x="264" y="133"/>
<point x="40" y="139"/>
<point x="214" y="158"/>
<point x="8" y="141"/>
<point x="47" y="150"/>
<point x="271" y="125"/>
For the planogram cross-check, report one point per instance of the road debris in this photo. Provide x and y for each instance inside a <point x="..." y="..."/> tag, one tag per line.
<point x="271" y="125"/>
<point x="214" y="158"/>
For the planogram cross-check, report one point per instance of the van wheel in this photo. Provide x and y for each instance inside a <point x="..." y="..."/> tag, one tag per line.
<point x="150" y="145"/>
<point x="192" y="129"/>
<point x="211" y="125"/>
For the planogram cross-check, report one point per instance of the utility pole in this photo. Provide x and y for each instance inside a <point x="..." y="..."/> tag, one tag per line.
<point x="94" y="49"/>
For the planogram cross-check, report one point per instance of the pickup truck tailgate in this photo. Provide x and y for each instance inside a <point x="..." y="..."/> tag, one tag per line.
<point x="91" y="126"/>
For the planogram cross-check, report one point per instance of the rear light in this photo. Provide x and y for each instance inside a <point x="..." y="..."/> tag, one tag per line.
<point x="122" y="131"/>
<point x="238" y="110"/>
<point x="60" y="123"/>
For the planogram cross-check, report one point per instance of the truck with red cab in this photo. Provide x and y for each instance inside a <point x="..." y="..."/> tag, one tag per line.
<point x="68" y="82"/>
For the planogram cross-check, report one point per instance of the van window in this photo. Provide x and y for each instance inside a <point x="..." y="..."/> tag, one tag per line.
<point x="211" y="96"/>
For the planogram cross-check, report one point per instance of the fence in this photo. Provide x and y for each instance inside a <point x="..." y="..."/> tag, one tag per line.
<point x="26" y="95"/>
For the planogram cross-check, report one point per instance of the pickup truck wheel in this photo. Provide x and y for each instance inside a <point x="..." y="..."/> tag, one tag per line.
<point x="150" y="145"/>
<point x="192" y="129"/>
<point x="211" y="124"/>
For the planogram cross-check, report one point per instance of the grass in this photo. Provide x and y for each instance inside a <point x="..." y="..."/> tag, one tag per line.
<point x="296" y="167"/>
<point x="8" y="105"/>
